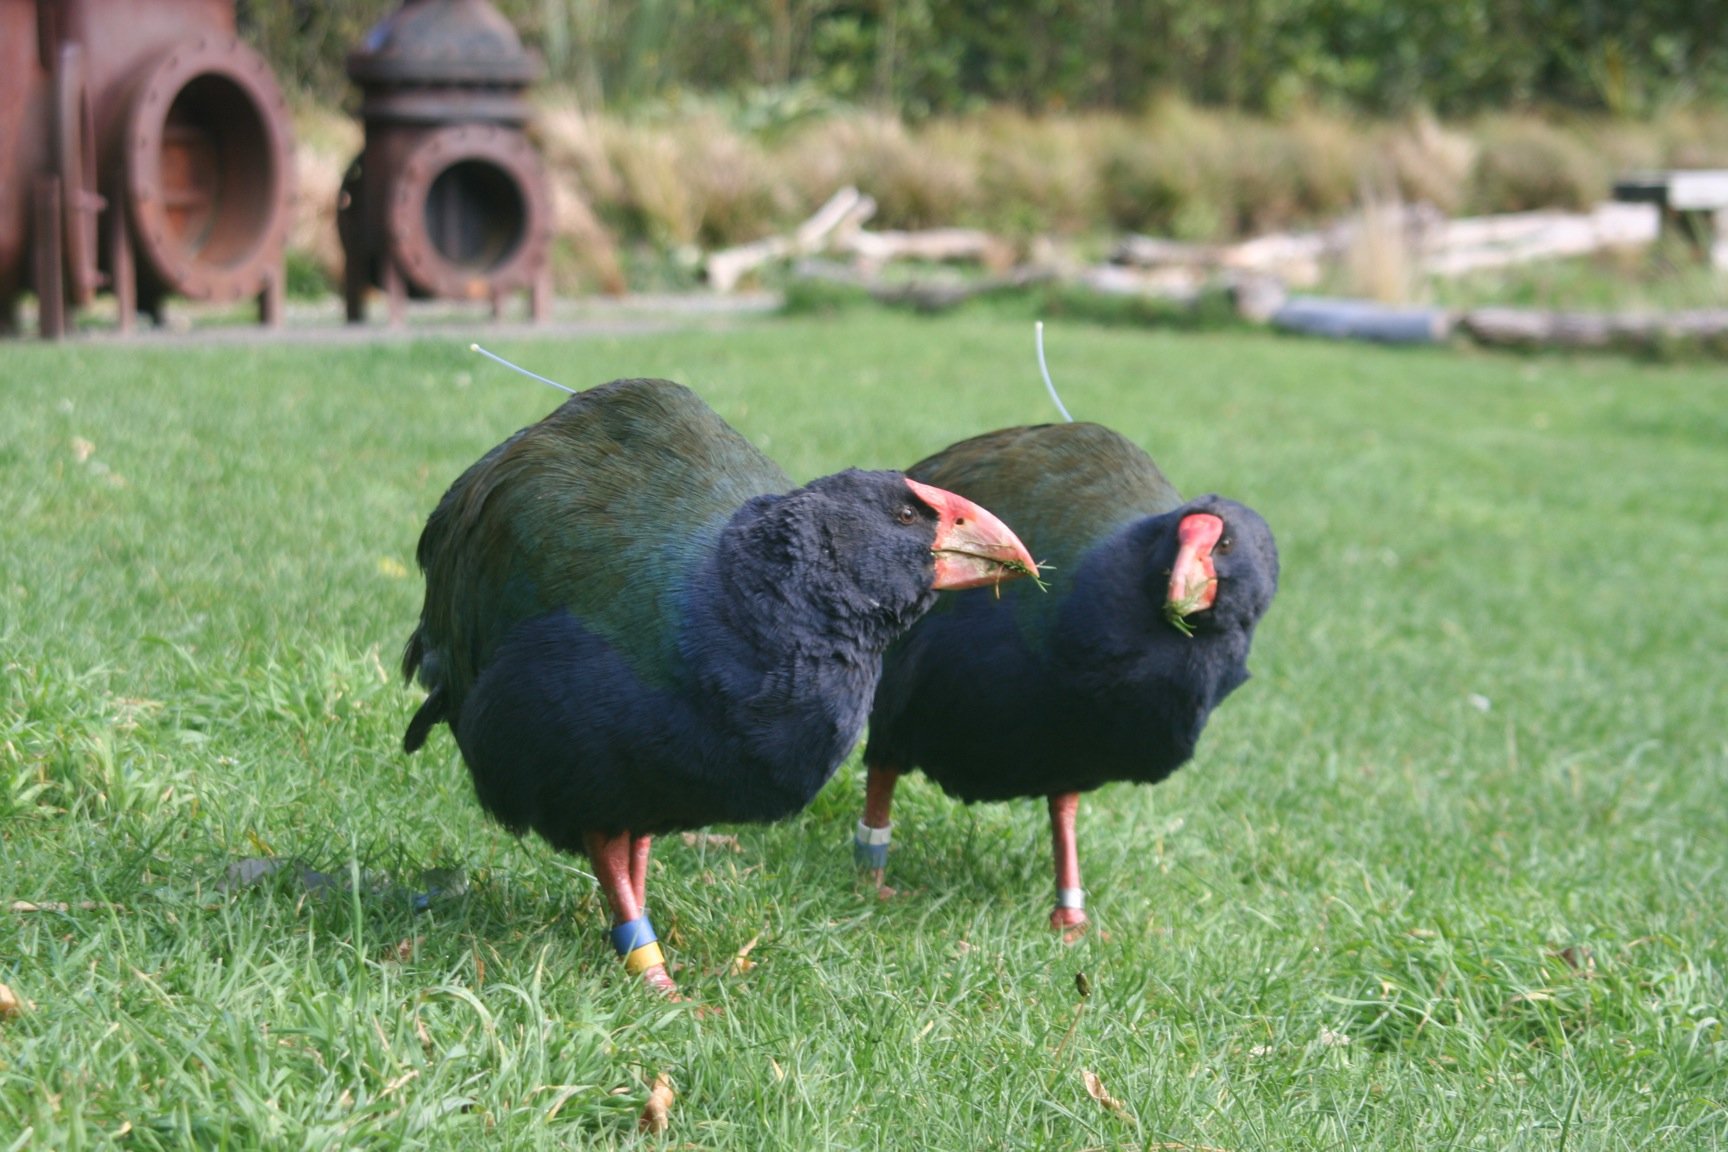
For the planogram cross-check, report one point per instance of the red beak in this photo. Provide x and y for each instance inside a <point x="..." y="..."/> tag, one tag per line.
<point x="1193" y="582"/>
<point x="973" y="548"/>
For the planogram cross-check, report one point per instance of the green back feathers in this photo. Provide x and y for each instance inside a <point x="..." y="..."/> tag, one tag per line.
<point x="1061" y="487"/>
<point x="605" y="508"/>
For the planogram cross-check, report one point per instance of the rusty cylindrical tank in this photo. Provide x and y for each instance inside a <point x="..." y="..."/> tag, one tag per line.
<point x="448" y="198"/>
<point x="159" y="151"/>
<point x="23" y="146"/>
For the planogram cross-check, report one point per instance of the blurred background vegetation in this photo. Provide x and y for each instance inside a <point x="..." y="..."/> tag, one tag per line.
<point x="929" y="57"/>
<point x="672" y="126"/>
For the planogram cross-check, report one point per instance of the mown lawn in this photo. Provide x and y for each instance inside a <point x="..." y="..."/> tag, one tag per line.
<point x="1450" y="872"/>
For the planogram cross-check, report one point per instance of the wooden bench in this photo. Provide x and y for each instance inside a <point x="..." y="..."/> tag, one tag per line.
<point x="1694" y="202"/>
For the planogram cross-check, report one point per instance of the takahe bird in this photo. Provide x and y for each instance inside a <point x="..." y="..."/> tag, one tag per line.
<point x="1110" y="676"/>
<point x="634" y="623"/>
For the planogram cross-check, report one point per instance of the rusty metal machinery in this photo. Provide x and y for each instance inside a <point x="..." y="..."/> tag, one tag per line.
<point x="448" y="198"/>
<point x="144" y="148"/>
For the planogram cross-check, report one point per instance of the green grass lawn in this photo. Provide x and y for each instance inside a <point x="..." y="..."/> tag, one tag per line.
<point x="1450" y="872"/>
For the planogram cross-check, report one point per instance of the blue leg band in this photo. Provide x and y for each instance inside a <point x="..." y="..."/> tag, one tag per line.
<point x="632" y="934"/>
<point x="870" y="846"/>
<point x="635" y="941"/>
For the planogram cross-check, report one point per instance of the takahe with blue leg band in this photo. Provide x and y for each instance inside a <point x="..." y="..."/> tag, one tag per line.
<point x="1111" y="675"/>
<point x="634" y="623"/>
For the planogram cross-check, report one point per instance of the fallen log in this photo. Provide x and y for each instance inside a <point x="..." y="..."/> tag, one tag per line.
<point x="1442" y="247"/>
<point x="1157" y="252"/>
<point x="936" y="293"/>
<point x="934" y="246"/>
<point x="1182" y="282"/>
<point x="844" y="213"/>
<point x="1462" y="246"/>
<point x="1529" y="328"/>
<point x="1295" y="257"/>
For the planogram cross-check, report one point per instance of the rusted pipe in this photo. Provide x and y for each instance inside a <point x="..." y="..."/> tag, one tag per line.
<point x="171" y="145"/>
<point x="448" y="199"/>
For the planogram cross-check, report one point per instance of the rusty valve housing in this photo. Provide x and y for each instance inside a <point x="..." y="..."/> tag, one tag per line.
<point x="143" y="147"/>
<point x="448" y="198"/>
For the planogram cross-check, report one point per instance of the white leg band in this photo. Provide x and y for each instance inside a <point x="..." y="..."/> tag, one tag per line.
<point x="870" y="846"/>
<point x="1071" y="898"/>
<point x="869" y="835"/>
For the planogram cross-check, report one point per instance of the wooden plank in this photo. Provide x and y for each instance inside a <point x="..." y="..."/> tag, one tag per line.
<point x="1702" y="191"/>
<point x="1681" y="189"/>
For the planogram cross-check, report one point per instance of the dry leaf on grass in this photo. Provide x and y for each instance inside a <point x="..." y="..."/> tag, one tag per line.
<point x="425" y="1036"/>
<point x="711" y="840"/>
<point x="9" y="1005"/>
<point x="657" y="1114"/>
<point x="411" y="1074"/>
<point x="63" y="906"/>
<point x="1581" y="960"/>
<point x="1095" y="1089"/>
<point x="742" y="963"/>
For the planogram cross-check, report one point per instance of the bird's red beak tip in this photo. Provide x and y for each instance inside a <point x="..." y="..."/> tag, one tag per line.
<point x="1193" y="579"/>
<point x="973" y="547"/>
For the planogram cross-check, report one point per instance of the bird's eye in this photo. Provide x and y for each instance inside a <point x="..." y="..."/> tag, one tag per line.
<point x="1223" y="546"/>
<point x="906" y="515"/>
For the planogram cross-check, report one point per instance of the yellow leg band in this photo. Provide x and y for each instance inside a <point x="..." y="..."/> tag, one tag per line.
<point x="641" y="959"/>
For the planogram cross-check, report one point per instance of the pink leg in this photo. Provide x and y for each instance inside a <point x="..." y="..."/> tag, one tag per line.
<point x="879" y="795"/>
<point x="878" y="802"/>
<point x="639" y="846"/>
<point x="612" y="857"/>
<point x="1070" y="921"/>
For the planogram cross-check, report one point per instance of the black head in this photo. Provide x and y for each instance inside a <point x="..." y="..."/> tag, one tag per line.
<point x="884" y="544"/>
<point x="1216" y="567"/>
<point x="874" y="535"/>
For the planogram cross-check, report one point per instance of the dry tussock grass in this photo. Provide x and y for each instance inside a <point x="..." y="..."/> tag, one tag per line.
<point x="1430" y="162"/>
<point x="1176" y="170"/>
<point x="1379" y="263"/>
<point x="921" y="180"/>
<point x="1526" y="163"/>
<point x="1040" y="175"/>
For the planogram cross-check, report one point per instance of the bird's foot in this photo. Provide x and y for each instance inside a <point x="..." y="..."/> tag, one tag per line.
<point x="874" y="877"/>
<point x="661" y="981"/>
<point x="1071" y="922"/>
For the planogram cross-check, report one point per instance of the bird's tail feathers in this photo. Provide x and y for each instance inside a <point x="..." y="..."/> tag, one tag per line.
<point x="430" y="713"/>
<point x="419" y="661"/>
<point x="412" y="653"/>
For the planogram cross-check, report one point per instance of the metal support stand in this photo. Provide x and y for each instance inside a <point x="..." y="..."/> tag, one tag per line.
<point x="50" y="260"/>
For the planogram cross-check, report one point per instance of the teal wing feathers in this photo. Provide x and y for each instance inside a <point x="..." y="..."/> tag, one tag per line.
<point x="604" y="508"/>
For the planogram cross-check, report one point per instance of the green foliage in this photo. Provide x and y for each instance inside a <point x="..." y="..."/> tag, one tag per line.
<point x="941" y="56"/>
<point x="306" y="277"/>
<point x="1448" y="872"/>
